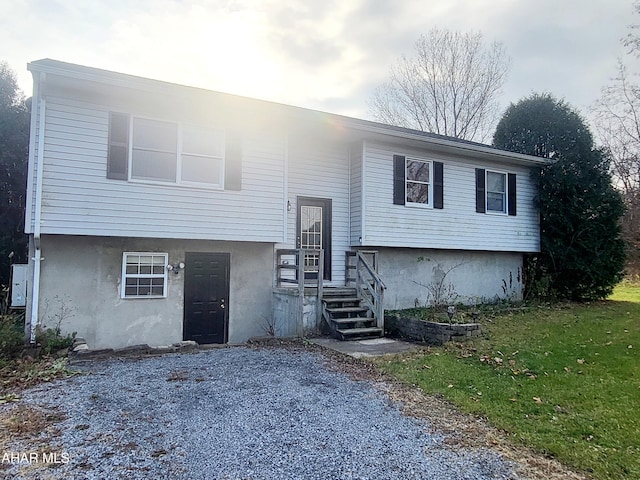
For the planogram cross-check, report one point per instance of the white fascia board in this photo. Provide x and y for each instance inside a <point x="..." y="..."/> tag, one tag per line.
<point x="97" y="75"/>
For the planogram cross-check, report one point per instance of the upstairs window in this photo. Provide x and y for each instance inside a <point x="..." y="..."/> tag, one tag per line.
<point x="418" y="182"/>
<point x="202" y="155"/>
<point x="144" y="275"/>
<point x="142" y="149"/>
<point x="495" y="192"/>
<point x="154" y="150"/>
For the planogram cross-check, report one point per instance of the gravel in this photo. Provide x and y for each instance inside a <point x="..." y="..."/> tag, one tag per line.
<point x="239" y="413"/>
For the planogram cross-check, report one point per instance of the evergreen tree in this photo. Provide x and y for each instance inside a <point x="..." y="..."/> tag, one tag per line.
<point x="582" y="251"/>
<point x="14" y="147"/>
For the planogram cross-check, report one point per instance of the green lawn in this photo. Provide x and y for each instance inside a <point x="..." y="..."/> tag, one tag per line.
<point x="564" y="380"/>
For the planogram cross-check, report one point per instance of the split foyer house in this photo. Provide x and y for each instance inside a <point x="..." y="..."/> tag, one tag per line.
<point x="158" y="212"/>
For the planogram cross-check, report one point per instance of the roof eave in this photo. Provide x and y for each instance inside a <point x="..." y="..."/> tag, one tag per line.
<point x="475" y="150"/>
<point x="470" y="149"/>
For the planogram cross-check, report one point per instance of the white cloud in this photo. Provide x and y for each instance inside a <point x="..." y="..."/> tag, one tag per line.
<point x="326" y="55"/>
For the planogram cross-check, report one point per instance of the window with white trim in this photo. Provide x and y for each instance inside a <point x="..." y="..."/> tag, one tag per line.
<point x="155" y="151"/>
<point x="175" y="153"/>
<point x="496" y="192"/>
<point x="144" y="275"/>
<point x="418" y="182"/>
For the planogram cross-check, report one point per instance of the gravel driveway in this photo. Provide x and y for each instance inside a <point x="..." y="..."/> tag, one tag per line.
<point x="238" y="413"/>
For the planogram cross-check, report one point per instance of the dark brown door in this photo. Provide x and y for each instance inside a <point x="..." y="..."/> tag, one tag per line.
<point x="206" y="297"/>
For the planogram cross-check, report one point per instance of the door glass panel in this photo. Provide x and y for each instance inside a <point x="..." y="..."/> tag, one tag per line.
<point x="311" y="235"/>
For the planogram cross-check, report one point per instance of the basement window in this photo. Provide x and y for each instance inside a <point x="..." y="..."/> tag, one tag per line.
<point x="144" y="275"/>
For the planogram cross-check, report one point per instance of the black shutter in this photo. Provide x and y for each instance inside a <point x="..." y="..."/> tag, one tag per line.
<point x="511" y="202"/>
<point x="480" y="191"/>
<point x="118" y="153"/>
<point x="398" y="180"/>
<point x="233" y="162"/>
<point x="438" y="185"/>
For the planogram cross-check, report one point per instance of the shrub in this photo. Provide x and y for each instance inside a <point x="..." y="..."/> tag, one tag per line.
<point x="11" y="335"/>
<point x="52" y="339"/>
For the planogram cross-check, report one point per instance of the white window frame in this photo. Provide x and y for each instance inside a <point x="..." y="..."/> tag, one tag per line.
<point x="179" y="181"/>
<point x="505" y="210"/>
<point x="164" y="275"/>
<point x="429" y="183"/>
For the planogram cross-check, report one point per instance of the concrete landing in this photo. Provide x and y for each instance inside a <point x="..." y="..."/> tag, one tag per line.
<point x="374" y="347"/>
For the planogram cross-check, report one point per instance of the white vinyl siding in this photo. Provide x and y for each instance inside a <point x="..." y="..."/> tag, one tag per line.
<point x="320" y="169"/>
<point x="355" y="193"/>
<point x="32" y="173"/>
<point x="457" y="225"/>
<point x="79" y="199"/>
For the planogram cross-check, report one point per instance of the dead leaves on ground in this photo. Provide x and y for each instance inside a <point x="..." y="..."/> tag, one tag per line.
<point x="23" y="373"/>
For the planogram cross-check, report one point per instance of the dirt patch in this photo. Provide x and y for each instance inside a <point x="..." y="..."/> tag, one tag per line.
<point x="36" y="427"/>
<point x="26" y="372"/>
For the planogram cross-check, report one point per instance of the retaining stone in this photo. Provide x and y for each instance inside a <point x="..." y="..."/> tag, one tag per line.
<point x="433" y="333"/>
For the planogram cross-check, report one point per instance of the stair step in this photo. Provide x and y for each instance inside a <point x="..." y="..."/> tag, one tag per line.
<point x="340" y="299"/>
<point x="338" y="292"/>
<point x="343" y="321"/>
<point x="347" y="309"/>
<point x="360" y="332"/>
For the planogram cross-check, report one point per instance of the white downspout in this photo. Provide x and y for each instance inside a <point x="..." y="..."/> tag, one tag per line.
<point x="37" y="257"/>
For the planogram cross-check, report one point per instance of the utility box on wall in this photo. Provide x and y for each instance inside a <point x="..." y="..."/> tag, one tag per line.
<point x="18" y="285"/>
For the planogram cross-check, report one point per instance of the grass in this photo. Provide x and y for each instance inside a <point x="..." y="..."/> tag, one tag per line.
<point x="564" y="380"/>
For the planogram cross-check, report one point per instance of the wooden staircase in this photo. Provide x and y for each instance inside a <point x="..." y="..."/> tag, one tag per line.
<point x="347" y="315"/>
<point x="352" y="312"/>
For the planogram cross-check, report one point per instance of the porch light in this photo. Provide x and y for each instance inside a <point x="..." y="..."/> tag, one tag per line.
<point x="176" y="268"/>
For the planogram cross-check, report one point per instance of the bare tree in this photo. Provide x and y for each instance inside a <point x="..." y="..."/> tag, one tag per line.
<point x="616" y="119"/>
<point x="449" y="86"/>
<point x="617" y="123"/>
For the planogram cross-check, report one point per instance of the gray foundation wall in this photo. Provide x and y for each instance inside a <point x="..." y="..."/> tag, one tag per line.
<point x="473" y="276"/>
<point x="85" y="273"/>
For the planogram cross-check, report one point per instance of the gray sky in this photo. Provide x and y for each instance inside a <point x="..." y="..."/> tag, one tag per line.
<point x="322" y="54"/>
